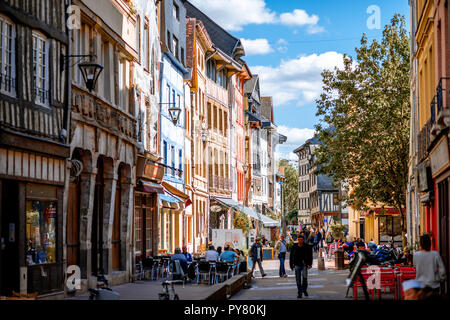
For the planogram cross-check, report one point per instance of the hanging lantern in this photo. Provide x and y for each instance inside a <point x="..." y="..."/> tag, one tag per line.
<point x="90" y="72"/>
<point x="175" y="114"/>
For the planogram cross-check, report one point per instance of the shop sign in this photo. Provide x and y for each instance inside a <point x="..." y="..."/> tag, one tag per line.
<point x="439" y="157"/>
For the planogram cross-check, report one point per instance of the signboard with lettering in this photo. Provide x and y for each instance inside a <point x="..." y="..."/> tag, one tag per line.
<point x="439" y="157"/>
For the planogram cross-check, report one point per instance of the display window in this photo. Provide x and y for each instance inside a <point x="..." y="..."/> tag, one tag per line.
<point x="40" y="232"/>
<point x="389" y="227"/>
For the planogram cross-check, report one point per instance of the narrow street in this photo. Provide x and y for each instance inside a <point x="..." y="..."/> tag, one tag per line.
<point x="322" y="285"/>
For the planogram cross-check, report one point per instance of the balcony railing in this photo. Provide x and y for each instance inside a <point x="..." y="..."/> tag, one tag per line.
<point x="440" y="93"/>
<point x="220" y="184"/>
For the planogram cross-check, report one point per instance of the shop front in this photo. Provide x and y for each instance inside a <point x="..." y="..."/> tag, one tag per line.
<point x="171" y="208"/>
<point x="149" y="176"/>
<point x="31" y="220"/>
<point x="382" y="225"/>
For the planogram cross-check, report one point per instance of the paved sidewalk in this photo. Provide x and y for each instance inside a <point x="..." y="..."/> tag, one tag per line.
<point x="149" y="290"/>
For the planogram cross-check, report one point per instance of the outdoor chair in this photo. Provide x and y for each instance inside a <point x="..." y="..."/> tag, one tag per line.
<point x="222" y="271"/>
<point x="387" y="281"/>
<point x="205" y="268"/>
<point x="139" y="272"/>
<point x="404" y="273"/>
<point x="366" y="275"/>
<point x="176" y="271"/>
<point x="147" y="265"/>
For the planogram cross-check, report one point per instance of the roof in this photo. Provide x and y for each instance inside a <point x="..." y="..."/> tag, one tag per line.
<point x="313" y="141"/>
<point x="267" y="108"/>
<point x="249" y="85"/>
<point x="229" y="44"/>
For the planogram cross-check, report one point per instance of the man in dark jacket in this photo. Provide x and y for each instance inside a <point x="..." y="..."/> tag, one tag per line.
<point x="256" y="254"/>
<point x="301" y="258"/>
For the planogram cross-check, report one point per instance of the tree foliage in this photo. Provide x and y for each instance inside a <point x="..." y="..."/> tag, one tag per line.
<point x="241" y="221"/>
<point x="290" y="186"/>
<point x="364" y="116"/>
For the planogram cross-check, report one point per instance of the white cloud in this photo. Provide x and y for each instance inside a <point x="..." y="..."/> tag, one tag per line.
<point x="297" y="81"/>
<point x="296" y="136"/>
<point x="282" y="42"/>
<point x="233" y="15"/>
<point x="257" y="46"/>
<point x="298" y="18"/>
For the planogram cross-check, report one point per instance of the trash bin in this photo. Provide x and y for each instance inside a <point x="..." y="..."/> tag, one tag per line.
<point x="339" y="259"/>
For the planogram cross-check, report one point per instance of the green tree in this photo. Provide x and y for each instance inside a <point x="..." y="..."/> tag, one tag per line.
<point x="290" y="186"/>
<point x="364" y="116"/>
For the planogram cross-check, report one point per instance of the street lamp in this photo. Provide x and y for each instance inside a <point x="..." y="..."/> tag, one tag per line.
<point x="245" y="167"/>
<point x="174" y="114"/>
<point x="90" y="72"/>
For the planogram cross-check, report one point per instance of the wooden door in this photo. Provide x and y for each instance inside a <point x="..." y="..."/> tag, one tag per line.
<point x="444" y="237"/>
<point x="73" y="226"/>
<point x="116" y="231"/>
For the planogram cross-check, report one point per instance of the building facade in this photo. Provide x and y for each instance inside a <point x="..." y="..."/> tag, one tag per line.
<point x="431" y="117"/>
<point x="34" y="149"/>
<point x="103" y="145"/>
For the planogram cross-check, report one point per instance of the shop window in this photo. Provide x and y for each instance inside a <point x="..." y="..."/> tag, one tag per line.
<point x="40" y="232"/>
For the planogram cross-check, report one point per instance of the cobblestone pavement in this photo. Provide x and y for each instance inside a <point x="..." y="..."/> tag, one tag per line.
<point x="322" y="285"/>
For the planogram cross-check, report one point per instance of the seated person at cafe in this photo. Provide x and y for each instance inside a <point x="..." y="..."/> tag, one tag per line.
<point x="360" y="243"/>
<point x="228" y="255"/>
<point x="179" y="256"/>
<point x="187" y="254"/>
<point x="211" y="254"/>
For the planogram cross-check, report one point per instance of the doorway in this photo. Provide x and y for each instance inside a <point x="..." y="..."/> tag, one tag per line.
<point x="444" y="228"/>
<point x="9" y="240"/>
<point x="97" y="222"/>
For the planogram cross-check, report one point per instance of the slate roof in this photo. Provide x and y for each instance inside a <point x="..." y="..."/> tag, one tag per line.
<point x="267" y="108"/>
<point x="219" y="36"/>
<point x="249" y="85"/>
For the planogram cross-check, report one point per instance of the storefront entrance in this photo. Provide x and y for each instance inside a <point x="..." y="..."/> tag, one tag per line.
<point x="145" y="225"/>
<point x="9" y="246"/>
<point x="444" y="237"/>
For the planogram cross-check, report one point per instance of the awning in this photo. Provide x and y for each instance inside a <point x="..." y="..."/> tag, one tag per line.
<point x="268" y="125"/>
<point x="149" y="187"/>
<point x="268" y="222"/>
<point x="168" y="201"/>
<point x="381" y="211"/>
<point x="178" y="193"/>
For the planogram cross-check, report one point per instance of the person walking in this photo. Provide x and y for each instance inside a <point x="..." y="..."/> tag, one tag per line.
<point x="322" y="236"/>
<point x="256" y="253"/>
<point x="301" y="259"/>
<point x="310" y="238"/>
<point x="430" y="269"/>
<point x="281" y="249"/>
<point x="316" y="241"/>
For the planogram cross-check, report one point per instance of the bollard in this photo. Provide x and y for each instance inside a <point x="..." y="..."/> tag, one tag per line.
<point x="321" y="261"/>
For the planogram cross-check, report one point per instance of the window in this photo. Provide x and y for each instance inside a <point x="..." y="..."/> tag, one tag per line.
<point x="146" y="57"/>
<point x="176" y="12"/>
<point x="40" y="69"/>
<point x="7" y="58"/>
<point x="180" y="157"/>
<point x="40" y="232"/>
<point x="165" y="153"/>
<point x="172" y="156"/>
<point x="175" y="47"/>
<point x="182" y="55"/>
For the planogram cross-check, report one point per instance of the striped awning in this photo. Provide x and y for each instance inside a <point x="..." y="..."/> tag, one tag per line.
<point x="268" y="222"/>
<point x="168" y="201"/>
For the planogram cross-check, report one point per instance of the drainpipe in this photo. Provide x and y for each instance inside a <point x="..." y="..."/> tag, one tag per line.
<point x="64" y="135"/>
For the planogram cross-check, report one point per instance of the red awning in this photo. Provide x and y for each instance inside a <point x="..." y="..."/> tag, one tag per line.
<point x="149" y="187"/>
<point x="381" y="211"/>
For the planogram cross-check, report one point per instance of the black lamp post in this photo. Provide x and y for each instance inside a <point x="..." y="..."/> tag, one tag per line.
<point x="90" y="72"/>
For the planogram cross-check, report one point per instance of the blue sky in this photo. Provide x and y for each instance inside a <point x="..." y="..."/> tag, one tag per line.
<point x="289" y="42"/>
